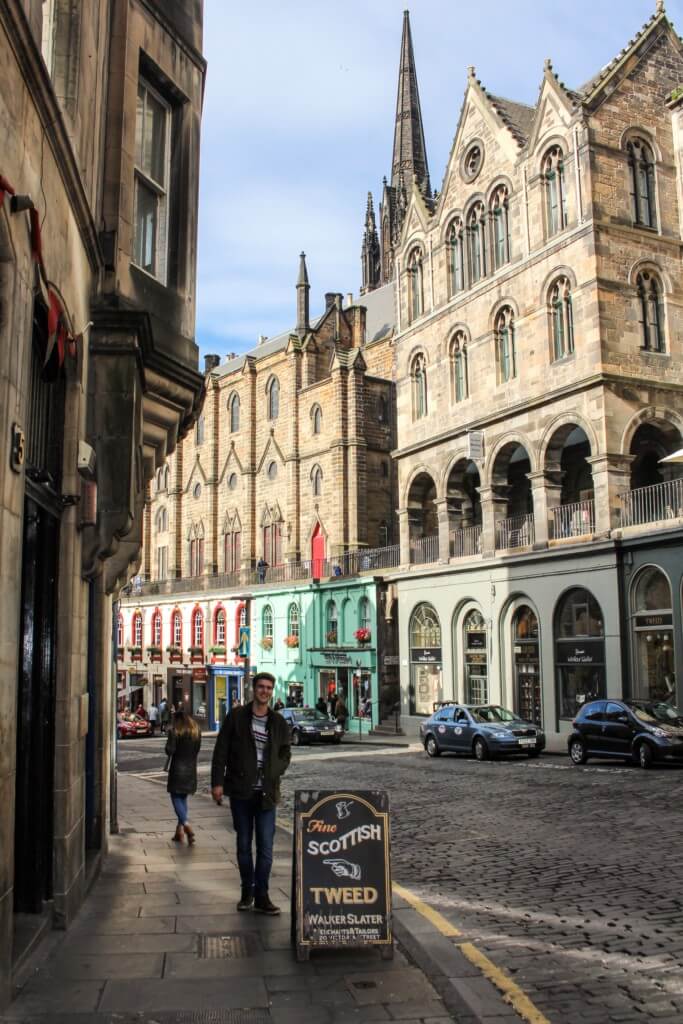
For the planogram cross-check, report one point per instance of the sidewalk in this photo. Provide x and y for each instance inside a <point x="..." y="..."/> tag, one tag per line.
<point x="159" y="940"/>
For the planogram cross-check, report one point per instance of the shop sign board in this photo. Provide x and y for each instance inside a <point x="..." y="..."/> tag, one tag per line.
<point x="425" y="655"/>
<point x="476" y="640"/>
<point x="341" y="895"/>
<point x="654" y="621"/>
<point x="581" y="652"/>
<point x="336" y="658"/>
<point x="199" y="675"/>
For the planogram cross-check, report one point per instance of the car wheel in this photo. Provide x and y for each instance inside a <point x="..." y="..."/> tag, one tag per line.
<point x="644" y="755"/>
<point x="296" y="738"/>
<point x="577" y="752"/>
<point x="432" y="747"/>
<point x="481" y="751"/>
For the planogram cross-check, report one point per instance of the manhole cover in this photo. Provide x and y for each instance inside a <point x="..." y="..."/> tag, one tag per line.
<point x="228" y="947"/>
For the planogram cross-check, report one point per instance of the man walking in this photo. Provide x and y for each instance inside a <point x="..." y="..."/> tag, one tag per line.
<point x="252" y="752"/>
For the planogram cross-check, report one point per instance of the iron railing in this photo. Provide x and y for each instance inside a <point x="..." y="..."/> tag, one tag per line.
<point x="517" y="532"/>
<point x="576" y="519"/>
<point x="367" y="560"/>
<point x="424" y="550"/>
<point x="652" y="504"/>
<point x="465" y="543"/>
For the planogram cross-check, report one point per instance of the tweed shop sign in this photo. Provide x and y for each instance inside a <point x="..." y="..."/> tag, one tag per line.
<point x="342" y="886"/>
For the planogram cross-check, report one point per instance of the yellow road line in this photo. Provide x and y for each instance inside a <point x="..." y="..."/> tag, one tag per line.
<point x="437" y="919"/>
<point x="512" y="993"/>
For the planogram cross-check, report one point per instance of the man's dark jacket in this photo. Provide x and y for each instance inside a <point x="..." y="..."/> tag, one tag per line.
<point x="234" y="758"/>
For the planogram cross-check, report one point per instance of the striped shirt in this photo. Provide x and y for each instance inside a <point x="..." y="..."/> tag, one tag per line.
<point x="259" y="730"/>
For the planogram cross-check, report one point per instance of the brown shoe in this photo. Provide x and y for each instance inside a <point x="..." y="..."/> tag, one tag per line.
<point x="179" y="833"/>
<point x="189" y="832"/>
<point x="264" y="905"/>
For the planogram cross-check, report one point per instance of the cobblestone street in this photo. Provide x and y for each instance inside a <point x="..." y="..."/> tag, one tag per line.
<point x="570" y="879"/>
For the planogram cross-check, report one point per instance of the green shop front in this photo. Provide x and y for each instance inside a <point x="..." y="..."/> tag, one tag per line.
<point x="350" y="674"/>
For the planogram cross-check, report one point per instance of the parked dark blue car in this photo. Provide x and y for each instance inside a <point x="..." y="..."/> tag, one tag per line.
<point x="485" y="730"/>
<point x="642" y="731"/>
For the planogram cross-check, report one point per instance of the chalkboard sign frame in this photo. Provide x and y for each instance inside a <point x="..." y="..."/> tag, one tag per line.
<point x="342" y="809"/>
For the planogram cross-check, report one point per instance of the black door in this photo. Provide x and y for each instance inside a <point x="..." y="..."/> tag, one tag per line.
<point x="33" y="832"/>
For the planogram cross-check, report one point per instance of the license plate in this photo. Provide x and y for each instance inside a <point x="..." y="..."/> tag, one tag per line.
<point x="327" y="732"/>
<point x="531" y="742"/>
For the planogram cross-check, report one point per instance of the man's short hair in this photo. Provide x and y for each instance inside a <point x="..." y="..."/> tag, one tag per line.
<point x="263" y="675"/>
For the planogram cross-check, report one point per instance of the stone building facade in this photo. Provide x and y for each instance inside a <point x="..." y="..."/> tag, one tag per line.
<point x="538" y="373"/>
<point x="98" y="379"/>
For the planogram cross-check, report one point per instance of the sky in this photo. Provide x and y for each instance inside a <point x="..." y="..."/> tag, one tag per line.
<point x="298" y="126"/>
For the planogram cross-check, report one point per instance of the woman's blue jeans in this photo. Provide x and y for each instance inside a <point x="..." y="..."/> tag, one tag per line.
<point x="179" y="801"/>
<point x="248" y="816"/>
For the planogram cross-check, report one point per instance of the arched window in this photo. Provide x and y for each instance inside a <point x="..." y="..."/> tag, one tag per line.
<point x="653" y="637"/>
<point x="136" y="631"/>
<point x="555" y="197"/>
<point x="119" y="632"/>
<point x="364" y="614"/>
<point x="651" y="312"/>
<point x="459" y="366"/>
<point x="317" y="419"/>
<point x="176" y="629"/>
<point x="234" y="411"/>
<point x="219" y="628"/>
<point x="418" y="375"/>
<point x="476" y="242"/>
<point x="267" y="623"/>
<point x="562" y="318"/>
<point x="156" y="628"/>
<point x="199" y="431"/>
<point x="505" y="344"/>
<point x="475" y="647"/>
<point x="166" y="476"/>
<point x="232" y="548"/>
<point x="317" y="481"/>
<point x="579" y="651"/>
<point x="500" y="227"/>
<point x="197" y="628"/>
<point x="273" y="397"/>
<point x="456" y="257"/>
<point x="162" y="520"/>
<point x="424" y="641"/>
<point x="642" y="174"/>
<point x="293" y="620"/>
<point x="331" y="623"/>
<point x="415" y="285"/>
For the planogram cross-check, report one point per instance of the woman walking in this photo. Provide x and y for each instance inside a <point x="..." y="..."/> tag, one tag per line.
<point x="182" y="746"/>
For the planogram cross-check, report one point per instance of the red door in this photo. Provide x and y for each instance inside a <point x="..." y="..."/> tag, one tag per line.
<point x="317" y="552"/>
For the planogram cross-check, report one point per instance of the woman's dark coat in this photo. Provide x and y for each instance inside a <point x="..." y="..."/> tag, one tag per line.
<point x="182" y="771"/>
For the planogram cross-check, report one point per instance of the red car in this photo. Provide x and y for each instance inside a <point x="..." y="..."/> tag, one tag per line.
<point x="130" y="726"/>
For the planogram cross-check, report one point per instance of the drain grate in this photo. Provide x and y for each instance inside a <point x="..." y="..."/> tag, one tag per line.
<point x="228" y="947"/>
<point x="364" y="984"/>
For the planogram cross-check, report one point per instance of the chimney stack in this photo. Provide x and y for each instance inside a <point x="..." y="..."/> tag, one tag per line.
<point x="211" y="362"/>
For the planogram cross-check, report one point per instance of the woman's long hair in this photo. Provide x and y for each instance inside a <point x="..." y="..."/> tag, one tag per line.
<point x="185" y="725"/>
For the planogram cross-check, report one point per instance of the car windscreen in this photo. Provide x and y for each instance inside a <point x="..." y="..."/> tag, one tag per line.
<point x="492" y="713"/>
<point x="310" y="715"/>
<point x="657" y="711"/>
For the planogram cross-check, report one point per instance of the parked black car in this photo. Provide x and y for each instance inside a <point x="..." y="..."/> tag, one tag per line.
<point x="641" y="731"/>
<point x="485" y="730"/>
<point x="308" y="725"/>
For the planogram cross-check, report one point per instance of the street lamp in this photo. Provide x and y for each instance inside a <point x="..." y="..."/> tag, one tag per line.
<point x="360" y="723"/>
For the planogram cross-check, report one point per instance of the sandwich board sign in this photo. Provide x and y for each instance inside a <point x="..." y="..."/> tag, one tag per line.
<point x="341" y="892"/>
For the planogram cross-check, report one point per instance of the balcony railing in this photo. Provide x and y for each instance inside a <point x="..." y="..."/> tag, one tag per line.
<point x="652" y="504"/>
<point x="574" y="520"/>
<point x="517" y="532"/>
<point x="367" y="560"/>
<point x="465" y="543"/>
<point x="424" y="550"/>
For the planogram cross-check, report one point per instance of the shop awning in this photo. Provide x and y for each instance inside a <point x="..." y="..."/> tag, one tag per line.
<point x="674" y="457"/>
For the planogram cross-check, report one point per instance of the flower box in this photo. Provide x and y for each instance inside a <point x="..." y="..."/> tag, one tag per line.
<point x="266" y="643"/>
<point x="331" y="636"/>
<point x="196" y="655"/>
<point x="135" y="653"/>
<point x="363" y="636"/>
<point x="175" y="655"/>
<point x="292" y="640"/>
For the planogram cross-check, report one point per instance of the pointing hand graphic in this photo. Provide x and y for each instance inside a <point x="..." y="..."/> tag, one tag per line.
<point x="343" y="868"/>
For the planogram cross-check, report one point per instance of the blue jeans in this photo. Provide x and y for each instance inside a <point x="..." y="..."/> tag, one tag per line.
<point x="179" y="801"/>
<point x="248" y="815"/>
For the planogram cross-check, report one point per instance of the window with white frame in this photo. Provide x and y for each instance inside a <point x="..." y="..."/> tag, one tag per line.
<point x="152" y="137"/>
<point x="267" y="622"/>
<point x="137" y="629"/>
<point x="219" y="628"/>
<point x="293" y="620"/>
<point x="198" y="628"/>
<point x="177" y="629"/>
<point x="156" y="629"/>
<point x="364" y="617"/>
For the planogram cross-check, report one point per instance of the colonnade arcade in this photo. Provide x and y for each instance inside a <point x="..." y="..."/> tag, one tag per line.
<point x="527" y="495"/>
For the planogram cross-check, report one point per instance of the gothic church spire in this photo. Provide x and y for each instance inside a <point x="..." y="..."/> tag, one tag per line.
<point x="410" y="151"/>
<point x="370" y="254"/>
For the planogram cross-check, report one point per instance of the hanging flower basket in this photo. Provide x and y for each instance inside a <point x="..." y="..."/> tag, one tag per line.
<point x="267" y="643"/>
<point x="331" y="636"/>
<point x="363" y="636"/>
<point x="292" y="640"/>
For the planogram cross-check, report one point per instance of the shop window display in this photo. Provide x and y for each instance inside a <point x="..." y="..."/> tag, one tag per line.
<point x="425" y="660"/>
<point x="475" y="645"/>
<point x="652" y="625"/>
<point x="579" y="651"/>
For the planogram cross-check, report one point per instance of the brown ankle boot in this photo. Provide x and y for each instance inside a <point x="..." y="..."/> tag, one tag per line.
<point x="178" y="836"/>
<point x="189" y="832"/>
